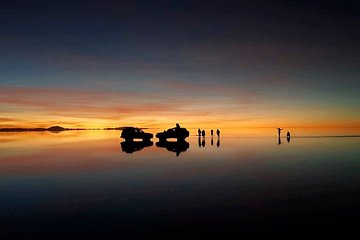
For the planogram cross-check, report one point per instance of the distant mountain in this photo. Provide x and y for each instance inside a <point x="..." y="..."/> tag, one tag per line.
<point x="114" y="128"/>
<point x="55" y="129"/>
<point x="51" y="129"/>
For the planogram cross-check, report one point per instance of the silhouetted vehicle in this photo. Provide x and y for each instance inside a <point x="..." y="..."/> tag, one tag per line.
<point x="177" y="132"/>
<point x="133" y="146"/>
<point x="131" y="133"/>
<point x="177" y="147"/>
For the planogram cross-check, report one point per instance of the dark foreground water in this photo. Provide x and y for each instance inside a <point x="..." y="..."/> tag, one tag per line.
<point x="82" y="183"/>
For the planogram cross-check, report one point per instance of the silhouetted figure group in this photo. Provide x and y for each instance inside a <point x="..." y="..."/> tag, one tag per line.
<point x="287" y="136"/>
<point x="202" y="133"/>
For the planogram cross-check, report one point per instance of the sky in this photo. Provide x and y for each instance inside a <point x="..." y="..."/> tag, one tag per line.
<point x="217" y="64"/>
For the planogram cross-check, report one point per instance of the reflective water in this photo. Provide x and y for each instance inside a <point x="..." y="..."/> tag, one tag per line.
<point x="90" y="183"/>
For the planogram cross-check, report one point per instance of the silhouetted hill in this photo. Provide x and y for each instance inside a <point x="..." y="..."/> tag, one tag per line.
<point x="114" y="128"/>
<point x="56" y="129"/>
<point x="52" y="129"/>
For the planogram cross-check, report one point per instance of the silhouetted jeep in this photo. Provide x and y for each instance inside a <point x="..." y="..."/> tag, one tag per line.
<point x="131" y="133"/>
<point x="177" y="132"/>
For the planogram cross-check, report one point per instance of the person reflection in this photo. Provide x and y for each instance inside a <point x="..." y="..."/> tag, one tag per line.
<point x="212" y="142"/>
<point x="279" y="141"/>
<point x="203" y="142"/>
<point x="199" y="141"/>
<point x="134" y="146"/>
<point x="288" y="136"/>
<point x="177" y="147"/>
<point x="218" y="143"/>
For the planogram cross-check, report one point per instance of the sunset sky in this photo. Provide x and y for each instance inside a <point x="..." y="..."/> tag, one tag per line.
<point x="199" y="63"/>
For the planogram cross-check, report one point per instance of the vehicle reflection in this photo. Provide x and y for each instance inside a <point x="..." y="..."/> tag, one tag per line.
<point x="133" y="146"/>
<point x="177" y="147"/>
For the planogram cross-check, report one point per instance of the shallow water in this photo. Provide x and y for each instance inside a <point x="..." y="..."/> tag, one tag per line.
<point x="84" y="182"/>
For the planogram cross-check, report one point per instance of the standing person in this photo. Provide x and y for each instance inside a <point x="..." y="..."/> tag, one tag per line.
<point x="218" y="132"/>
<point x="279" y="131"/>
<point x="212" y="133"/>
<point x="203" y="133"/>
<point x="199" y="132"/>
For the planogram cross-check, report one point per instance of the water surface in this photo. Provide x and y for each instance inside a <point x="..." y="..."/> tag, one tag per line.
<point x="85" y="182"/>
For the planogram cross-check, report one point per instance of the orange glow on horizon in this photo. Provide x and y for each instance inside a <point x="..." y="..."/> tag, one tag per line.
<point x="40" y="107"/>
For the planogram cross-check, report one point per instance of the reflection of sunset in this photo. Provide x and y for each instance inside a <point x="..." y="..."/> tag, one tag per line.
<point x="67" y="152"/>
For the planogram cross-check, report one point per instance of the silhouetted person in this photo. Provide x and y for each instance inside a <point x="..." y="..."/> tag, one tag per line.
<point x="199" y="141"/>
<point x="279" y="131"/>
<point x="177" y="126"/>
<point x="203" y="133"/>
<point x="199" y="132"/>
<point x="218" y="143"/>
<point x="212" y="141"/>
<point x="203" y="142"/>
<point x="218" y="132"/>
<point x="212" y="132"/>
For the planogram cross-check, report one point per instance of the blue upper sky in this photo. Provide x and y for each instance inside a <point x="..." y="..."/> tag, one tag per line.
<point x="307" y="52"/>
